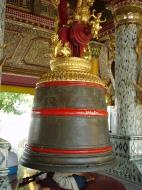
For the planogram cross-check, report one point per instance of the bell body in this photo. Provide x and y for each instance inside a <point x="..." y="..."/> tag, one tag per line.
<point x="69" y="130"/>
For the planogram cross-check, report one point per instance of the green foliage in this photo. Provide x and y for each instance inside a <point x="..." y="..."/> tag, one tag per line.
<point x="16" y="103"/>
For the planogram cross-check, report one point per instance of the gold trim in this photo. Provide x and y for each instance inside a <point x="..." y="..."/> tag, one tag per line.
<point x="2" y="46"/>
<point x="127" y="12"/>
<point x="17" y="89"/>
<point x="70" y="76"/>
<point x="95" y="66"/>
<point x="139" y="45"/>
<point x="24" y="70"/>
<point x="28" y="10"/>
<point x="70" y="64"/>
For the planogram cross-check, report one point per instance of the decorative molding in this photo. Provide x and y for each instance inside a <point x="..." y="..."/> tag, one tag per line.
<point x="70" y="64"/>
<point x="12" y="41"/>
<point x="126" y="11"/>
<point x="42" y="7"/>
<point x="127" y="147"/>
<point x="24" y="17"/>
<point x="95" y="48"/>
<point x="37" y="52"/>
<point x="22" y="54"/>
<point x="129" y="158"/>
<point x="70" y="76"/>
<point x="107" y="29"/>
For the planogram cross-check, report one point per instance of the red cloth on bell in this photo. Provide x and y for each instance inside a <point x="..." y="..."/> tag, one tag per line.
<point x="64" y="34"/>
<point x="80" y="34"/>
<point x="63" y="12"/>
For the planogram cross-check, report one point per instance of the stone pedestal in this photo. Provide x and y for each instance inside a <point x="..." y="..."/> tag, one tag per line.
<point x="128" y="138"/>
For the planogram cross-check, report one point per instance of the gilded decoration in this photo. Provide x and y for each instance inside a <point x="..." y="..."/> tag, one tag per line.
<point x="126" y="11"/>
<point x="26" y="31"/>
<point x="138" y="83"/>
<point x="22" y="54"/>
<point x="38" y="7"/>
<point x="12" y="41"/>
<point x="82" y="25"/>
<point x="70" y="63"/>
<point x="70" y="76"/>
<point x="139" y="45"/>
<point x="37" y="52"/>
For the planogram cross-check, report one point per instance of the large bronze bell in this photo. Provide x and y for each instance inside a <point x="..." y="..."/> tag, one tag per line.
<point x="69" y="130"/>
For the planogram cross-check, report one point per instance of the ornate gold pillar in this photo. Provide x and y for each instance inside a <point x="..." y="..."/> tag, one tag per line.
<point x="128" y="140"/>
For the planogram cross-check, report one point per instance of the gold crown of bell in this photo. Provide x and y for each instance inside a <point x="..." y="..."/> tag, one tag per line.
<point x="69" y="131"/>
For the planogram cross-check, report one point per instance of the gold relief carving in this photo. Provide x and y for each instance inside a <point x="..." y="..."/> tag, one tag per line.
<point x="17" y="38"/>
<point x="37" y="52"/>
<point x="25" y="27"/>
<point x="55" y="3"/>
<point x="63" y="54"/>
<point x="111" y="47"/>
<point x="12" y="41"/>
<point x="95" y="49"/>
<point x="59" y="49"/>
<point x="70" y="76"/>
<point x="70" y="63"/>
<point x="95" y="22"/>
<point x="82" y="14"/>
<point x="87" y="54"/>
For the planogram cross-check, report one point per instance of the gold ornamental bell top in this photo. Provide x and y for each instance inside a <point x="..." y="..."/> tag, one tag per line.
<point x="70" y="43"/>
<point x="70" y="64"/>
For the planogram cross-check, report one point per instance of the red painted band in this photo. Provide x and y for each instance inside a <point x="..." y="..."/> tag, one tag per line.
<point x="70" y="112"/>
<point x="69" y="83"/>
<point x="69" y="151"/>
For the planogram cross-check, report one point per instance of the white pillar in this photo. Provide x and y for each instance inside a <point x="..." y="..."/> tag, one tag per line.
<point x="128" y="139"/>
